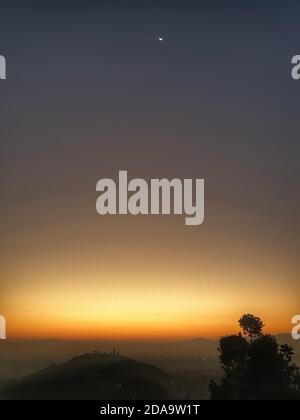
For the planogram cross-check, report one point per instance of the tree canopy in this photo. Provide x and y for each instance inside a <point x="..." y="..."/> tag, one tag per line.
<point x="255" y="366"/>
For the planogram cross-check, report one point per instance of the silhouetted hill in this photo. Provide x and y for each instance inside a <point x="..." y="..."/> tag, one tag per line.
<point x="93" y="376"/>
<point x="20" y="358"/>
<point x="193" y="362"/>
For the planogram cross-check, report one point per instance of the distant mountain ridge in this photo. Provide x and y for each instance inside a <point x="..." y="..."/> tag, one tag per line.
<point x="20" y="358"/>
<point x="198" y="340"/>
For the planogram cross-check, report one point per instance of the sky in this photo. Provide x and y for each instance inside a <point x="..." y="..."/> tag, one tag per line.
<point x="90" y="90"/>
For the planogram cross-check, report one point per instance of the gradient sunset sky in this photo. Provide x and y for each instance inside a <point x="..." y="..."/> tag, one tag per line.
<point x="91" y="91"/>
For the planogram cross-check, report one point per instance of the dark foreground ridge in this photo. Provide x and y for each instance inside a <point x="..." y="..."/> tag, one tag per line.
<point x="94" y="376"/>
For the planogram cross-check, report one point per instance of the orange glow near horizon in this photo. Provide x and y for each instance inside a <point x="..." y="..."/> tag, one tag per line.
<point x="131" y="309"/>
<point x="86" y="277"/>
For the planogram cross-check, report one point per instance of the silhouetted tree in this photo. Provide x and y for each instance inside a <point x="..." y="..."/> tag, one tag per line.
<point x="256" y="367"/>
<point x="252" y="326"/>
